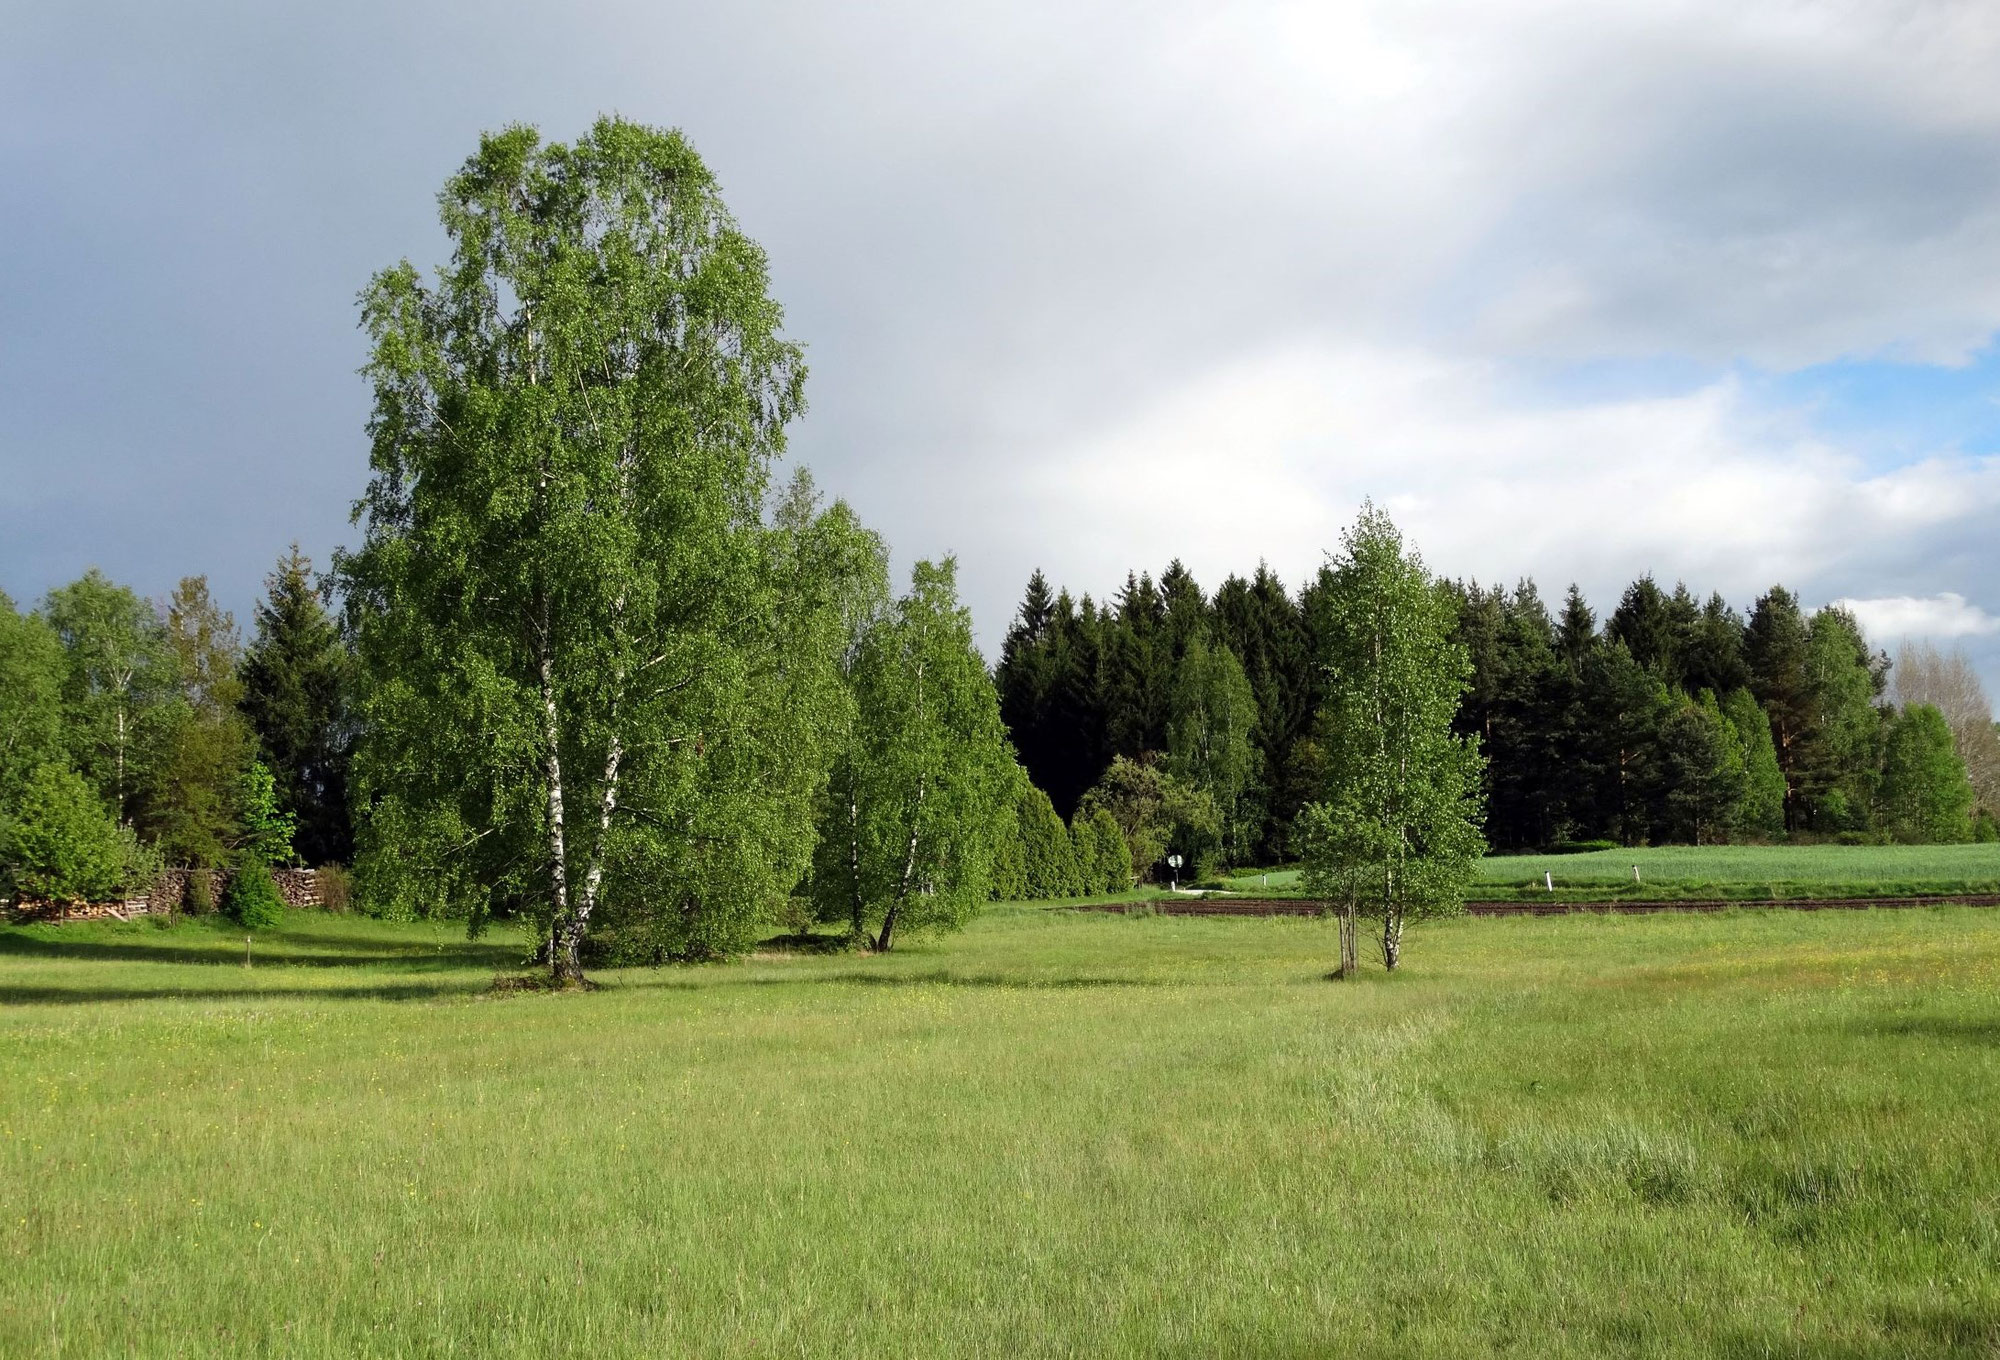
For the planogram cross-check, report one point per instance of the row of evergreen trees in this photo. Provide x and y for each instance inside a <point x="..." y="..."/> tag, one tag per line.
<point x="136" y="733"/>
<point x="1678" y="720"/>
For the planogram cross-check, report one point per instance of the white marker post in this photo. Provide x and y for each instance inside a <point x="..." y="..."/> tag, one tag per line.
<point x="1549" y="880"/>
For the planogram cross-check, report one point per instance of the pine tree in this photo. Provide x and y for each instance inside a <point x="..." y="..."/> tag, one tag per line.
<point x="296" y="676"/>
<point x="1713" y="657"/>
<point x="1046" y="848"/>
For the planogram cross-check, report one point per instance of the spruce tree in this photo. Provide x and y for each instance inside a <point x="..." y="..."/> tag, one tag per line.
<point x="189" y="800"/>
<point x="296" y="676"/>
<point x="1775" y="655"/>
<point x="1701" y="772"/>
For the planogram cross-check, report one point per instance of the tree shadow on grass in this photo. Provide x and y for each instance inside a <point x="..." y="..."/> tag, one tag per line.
<point x="682" y="981"/>
<point x="287" y="950"/>
<point x="1964" y="1031"/>
<point x="11" y="995"/>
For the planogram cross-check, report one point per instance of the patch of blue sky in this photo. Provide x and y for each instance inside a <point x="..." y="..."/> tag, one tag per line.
<point x="1895" y="413"/>
<point x="1886" y="413"/>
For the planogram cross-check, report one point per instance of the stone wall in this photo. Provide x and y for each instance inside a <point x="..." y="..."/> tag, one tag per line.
<point x="299" y="888"/>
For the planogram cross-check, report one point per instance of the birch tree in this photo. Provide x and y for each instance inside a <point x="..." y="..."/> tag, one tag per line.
<point x="1396" y="830"/>
<point x="916" y="808"/>
<point x="596" y="678"/>
<point x="116" y="675"/>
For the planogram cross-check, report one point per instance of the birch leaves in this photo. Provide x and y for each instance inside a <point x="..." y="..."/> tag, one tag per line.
<point x="1396" y="829"/>
<point x="915" y="807"/>
<point x="575" y="624"/>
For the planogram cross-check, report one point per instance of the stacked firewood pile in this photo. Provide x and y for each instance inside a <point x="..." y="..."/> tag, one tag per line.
<point x="176" y="890"/>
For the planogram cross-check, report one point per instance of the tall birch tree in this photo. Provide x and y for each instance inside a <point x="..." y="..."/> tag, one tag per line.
<point x="1396" y="830"/>
<point x="596" y="676"/>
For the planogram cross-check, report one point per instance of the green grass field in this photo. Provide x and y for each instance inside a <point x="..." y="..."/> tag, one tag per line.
<point x="1059" y="1133"/>
<point x="1749" y="872"/>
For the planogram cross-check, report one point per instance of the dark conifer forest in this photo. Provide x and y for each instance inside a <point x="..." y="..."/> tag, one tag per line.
<point x="1672" y="719"/>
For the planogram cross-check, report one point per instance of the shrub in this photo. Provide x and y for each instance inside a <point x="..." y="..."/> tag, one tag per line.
<point x="252" y="899"/>
<point x="1111" y="867"/>
<point x="336" y="887"/>
<point x="59" y="843"/>
<point x="199" y="898"/>
<point x="1046" y="847"/>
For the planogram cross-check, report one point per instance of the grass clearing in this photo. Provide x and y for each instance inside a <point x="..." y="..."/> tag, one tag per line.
<point x="1745" y="872"/>
<point x="1059" y="1133"/>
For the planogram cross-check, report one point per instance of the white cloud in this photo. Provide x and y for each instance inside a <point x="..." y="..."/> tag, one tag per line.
<point x="1268" y="458"/>
<point x="1945" y="615"/>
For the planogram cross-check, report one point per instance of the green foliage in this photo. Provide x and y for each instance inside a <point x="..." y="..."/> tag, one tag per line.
<point x="594" y="675"/>
<point x="1209" y="743"/>
<point x="1046" y="848"/>
<point x="296" y="677"/>
<point x="1843" y="679"/>
<point x="914" y="808"/>
<point x="252" y="899"/>
<point x="1153" y="811"/>
<point x="1396" y="830"/>
<point x="1102" y="854"/>
<point x="200" y="898"/>
<point x="267" y="828"/>
<point x="1010" y="860"/>
<point x="1762" y="811"/>
<point x="117" y="686"/>
<point x="1703" y="770"/>
<point x="1925" y="793"/>
<point x="31" y="714"/>
<point x="190" y="797"/>
<point x="57" y="843"/>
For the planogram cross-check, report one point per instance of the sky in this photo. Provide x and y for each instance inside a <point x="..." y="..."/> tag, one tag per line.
<point x="1702" y="288"/>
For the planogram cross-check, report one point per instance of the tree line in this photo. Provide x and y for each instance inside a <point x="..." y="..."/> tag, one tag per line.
<point x="136" y="734"/>
<point x="592" y="667"/>
<point x="1674" y="721"/>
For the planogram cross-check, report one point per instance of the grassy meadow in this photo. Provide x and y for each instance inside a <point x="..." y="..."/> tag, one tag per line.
<point x="1058" y="1133"/>
<point x="1747" y="872"/>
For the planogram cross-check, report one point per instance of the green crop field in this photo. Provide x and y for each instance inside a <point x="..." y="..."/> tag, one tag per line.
<point x="1058" y="1133"/>
<point x="1749" y="872"/>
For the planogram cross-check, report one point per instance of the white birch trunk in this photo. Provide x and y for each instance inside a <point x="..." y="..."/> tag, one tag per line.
<point x="563" y="962"/>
